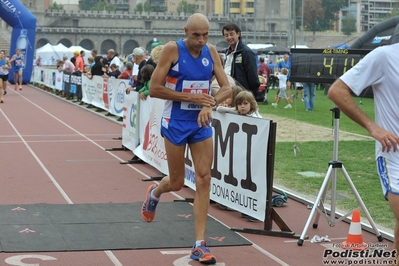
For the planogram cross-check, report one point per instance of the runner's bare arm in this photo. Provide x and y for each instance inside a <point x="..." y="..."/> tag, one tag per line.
<point x="339" y="93"/>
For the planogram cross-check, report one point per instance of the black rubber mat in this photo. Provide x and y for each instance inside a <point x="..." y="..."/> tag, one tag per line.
<point x="83" y="227"/>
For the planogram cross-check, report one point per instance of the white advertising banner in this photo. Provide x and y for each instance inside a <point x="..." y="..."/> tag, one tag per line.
<point x="239" y="163"/>
<point x="93" y="91"/>
<point x="130" y="130"/>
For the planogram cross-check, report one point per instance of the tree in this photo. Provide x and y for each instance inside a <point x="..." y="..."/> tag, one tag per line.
<point x="139" y="7"/>
<point x="103" y="5"/>
<point x="186" y="7"/>
<point x="348" y="24"/>
<point x="331" y="8"/>
<point x="56" y="6"/>
<point x="324" y="22"/>
<point x="313" y="13"/>
<point x="394" y="12"/>
<point x="148" y="6"/>
<point x="87" y="4"/>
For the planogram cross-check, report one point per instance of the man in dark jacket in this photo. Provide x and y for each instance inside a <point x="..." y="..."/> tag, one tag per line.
<point x="240" y="59"/>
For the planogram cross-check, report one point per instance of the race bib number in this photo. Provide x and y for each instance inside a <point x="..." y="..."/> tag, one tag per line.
<point x="196" y="87"/>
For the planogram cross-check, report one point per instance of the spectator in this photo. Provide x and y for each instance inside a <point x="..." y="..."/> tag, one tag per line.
<point x="146" y="73"/>
<point x="282" y="78"/>
<point x="298" y="90"/>
<point x="128" y="73"/>
<point x="263" y="69"/>
<point x="82" y="54"/>
<point x="138" y="59"/>
<point x="79" y="66"/>
<point x="98" y="68"/>
<point x="68" y="66"/>
<point x="155" y="56"/>
<point x="113" y="58"/>
<point x="94" y="53"/>
<point x="230" y="102"/>
<point x="240" y="59"/>
<point x="59" y="65"/>
<point x="309" y="95"/>
<point x="215" y="85"/>
<point x="114" y="71"/>
<point x="285" y="63"/>
<point x="244" y="104"/>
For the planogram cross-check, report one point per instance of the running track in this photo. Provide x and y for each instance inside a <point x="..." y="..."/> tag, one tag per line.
<point x="53" y="151"/>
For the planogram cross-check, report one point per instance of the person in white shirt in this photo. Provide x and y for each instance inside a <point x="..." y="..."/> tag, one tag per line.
<point x="282" y="83"/>
<point x="379" y="70"/>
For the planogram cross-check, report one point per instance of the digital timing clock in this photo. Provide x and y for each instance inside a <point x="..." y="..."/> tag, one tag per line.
<point x="323" y="65"/>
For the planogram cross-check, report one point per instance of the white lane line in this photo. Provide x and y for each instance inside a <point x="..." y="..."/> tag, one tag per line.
<point x="38" y="160"/>
<point x="52" y="141"/>
<point x="268" y="254"/>
<point x="110" y="255"/>
<point x="57" y="135"/>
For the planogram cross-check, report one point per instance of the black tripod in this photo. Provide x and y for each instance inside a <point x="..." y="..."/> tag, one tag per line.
<point x="332" y="175"/>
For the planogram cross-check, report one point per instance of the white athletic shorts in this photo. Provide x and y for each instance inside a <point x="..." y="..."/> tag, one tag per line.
<point x="388" y="170"/>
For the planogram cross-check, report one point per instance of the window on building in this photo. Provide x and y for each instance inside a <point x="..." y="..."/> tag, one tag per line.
<point x="234" y="5"/>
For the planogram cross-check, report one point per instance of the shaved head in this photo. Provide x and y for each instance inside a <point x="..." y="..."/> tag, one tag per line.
<point x="197" y="20"/>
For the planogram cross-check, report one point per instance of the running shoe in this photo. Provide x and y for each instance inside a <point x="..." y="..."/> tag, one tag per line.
<point x="288" y="106"/>
<point x="5" y="92"/>
<point x="1" y="101"/>
<point x="149" y="205"/>
<point x="20" y="88"/>
<point x="202" y="254"/>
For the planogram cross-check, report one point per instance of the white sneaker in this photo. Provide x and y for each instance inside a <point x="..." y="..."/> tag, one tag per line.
<point x="288" y="106"/>
<point x="274" y="105"/>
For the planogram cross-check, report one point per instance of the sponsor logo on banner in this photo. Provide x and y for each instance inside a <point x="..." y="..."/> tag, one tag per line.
<point x="105" y="93"/>
<point x="8" y="6"/>
<point x="152" y="140"/>
<point x="133" y="116"/>
<point x="120" y="97"/>
<point x="66" y="78"/>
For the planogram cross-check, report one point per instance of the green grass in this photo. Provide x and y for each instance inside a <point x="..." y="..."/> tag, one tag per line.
<point x="322" y="115"/>
<point x="357" y="156"/>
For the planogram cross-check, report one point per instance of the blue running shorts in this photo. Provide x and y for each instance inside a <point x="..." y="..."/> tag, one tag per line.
<point x="388" y="170"/>
<point x="181" y="132"/>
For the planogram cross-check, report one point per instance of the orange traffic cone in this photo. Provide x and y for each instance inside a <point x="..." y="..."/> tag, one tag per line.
<point x="354" y="241"/>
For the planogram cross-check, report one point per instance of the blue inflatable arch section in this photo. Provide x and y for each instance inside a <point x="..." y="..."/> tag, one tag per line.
<point x="23" y="22"/>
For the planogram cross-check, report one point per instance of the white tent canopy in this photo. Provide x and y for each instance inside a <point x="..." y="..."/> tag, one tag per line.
<point x="50" y="53"/>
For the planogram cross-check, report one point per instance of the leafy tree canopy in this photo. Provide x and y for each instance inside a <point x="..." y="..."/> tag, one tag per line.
<point x="56" y="6"/>
<point x="318" y="15"/>
<point x="87" y="4"/>
<point x="148" y="7"/>
<point x="394" y="12"/>
<point x="186" y="7"/>
<point x="103" y="5"/>
<point x="348" y="24"/>
<point x="139" y="7"/>
<point x="96" y="5"/>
